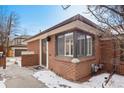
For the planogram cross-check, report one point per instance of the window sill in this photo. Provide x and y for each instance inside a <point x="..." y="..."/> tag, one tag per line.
<point x="121" y="62"/>
<point x="69" y="59"/>
<point x="87" y="58"/>
<point x="64" y="58"/>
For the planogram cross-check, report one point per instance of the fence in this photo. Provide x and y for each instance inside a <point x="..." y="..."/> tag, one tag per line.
<point x="120" y="68"/>
<point x="3" y="62"/>
<point x="30" y="60"/>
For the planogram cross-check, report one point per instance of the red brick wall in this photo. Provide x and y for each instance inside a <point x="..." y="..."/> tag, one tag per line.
<point x="106" y="51"/>
<point x="83" y="69"/>
<point x="97" y="50"/>
<point x="64" y="67"/>
<point x="34" y="46"/>
<point x="109" y="53"/>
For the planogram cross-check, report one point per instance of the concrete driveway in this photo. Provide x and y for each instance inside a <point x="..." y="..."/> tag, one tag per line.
<point x="20" y="77"/>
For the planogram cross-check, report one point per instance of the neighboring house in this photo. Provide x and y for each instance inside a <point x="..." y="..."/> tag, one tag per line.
<point x="71" y="47"/>
<point x="17" y="45"/>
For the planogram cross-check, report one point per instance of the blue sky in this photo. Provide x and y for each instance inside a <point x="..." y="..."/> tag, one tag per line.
<point x="35" y="18"/>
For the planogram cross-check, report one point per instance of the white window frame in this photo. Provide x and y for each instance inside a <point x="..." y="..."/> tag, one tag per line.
<point x="80" y="44"/>
<point x="66" y="35"/>
<point x="89" y="46"/>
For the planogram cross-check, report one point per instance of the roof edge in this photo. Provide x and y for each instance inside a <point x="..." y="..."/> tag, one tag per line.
<point x="74" y="18"/>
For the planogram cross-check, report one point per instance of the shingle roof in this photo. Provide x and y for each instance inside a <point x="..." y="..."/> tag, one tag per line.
<point x="74" y="18"/>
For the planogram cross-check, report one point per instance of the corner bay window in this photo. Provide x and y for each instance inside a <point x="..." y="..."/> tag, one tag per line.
<point x="66" y="47"/>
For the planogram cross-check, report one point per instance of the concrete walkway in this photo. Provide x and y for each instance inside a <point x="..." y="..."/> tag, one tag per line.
<point x="20" y="77"/>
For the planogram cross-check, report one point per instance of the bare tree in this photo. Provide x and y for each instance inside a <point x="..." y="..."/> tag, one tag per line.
<point x="2" y="25"/>
<point x="111" y="16"/>
<point x="8" y="24"/>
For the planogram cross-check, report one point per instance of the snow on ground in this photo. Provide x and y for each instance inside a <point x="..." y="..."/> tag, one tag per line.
<point x="53" y="81"/>
<point x="117" y="81"/>
<point x="2" y="85"/>
<point x="13" y="60"/>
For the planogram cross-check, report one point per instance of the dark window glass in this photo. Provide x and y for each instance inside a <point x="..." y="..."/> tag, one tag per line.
<point x="69" y="44"/>
<point x="60" y="46"/>
<point x="80" y="44"/>
<point x="84" y="45"/>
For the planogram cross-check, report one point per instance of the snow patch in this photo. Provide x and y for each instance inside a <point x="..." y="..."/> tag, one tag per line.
<point x="54" y="81"/>
<point x="117" y="81"/>
<point x="75" y="60"/>
<point x="2" y="85"/>
<point x="13" y="60"/>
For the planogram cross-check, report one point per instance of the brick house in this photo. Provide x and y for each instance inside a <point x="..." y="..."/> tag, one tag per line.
<point x="70" y="48"/>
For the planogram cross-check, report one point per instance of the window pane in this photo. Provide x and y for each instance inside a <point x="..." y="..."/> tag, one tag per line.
<point x="84" y="45"/>
<point x="65" y="44"/>
<point x="89" y="45"/>
<point x="60" y="45"/>
<point x="78" y="50"/>
<point x="67" y="47"/>
<point x="81" y="44"/>
<point x="72" y="49"/>
<point x="69" y="44"/>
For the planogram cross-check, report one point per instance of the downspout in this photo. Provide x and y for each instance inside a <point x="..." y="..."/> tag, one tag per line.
<point x="40" y="44"/>
<point x="47" y="51"/>
<point x="47" y="48"/>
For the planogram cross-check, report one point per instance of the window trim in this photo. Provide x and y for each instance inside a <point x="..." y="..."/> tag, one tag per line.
<point x="65" y="37"/>
<point x="56" y="44"/>
<point x="88" y="46"/>
<point x="84" y="38"/>
<point x="64" y="34"/>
